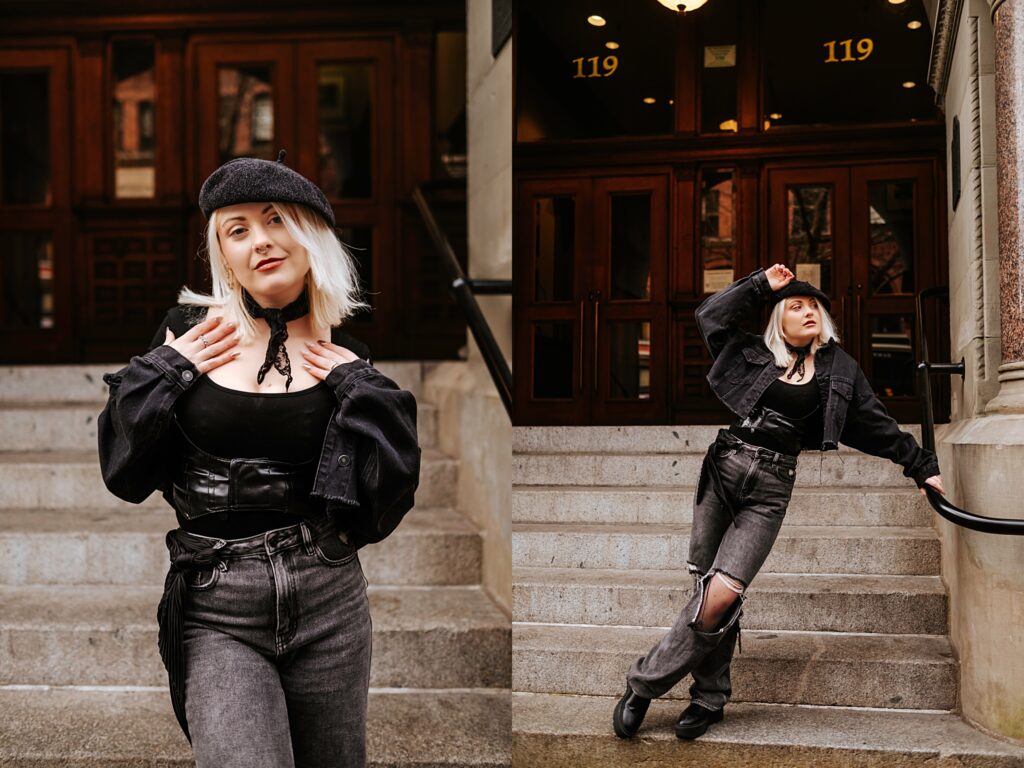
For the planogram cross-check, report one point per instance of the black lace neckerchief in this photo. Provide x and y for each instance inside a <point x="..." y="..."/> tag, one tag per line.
<point x="277" y="318"/>
<point x="801" y="354"/>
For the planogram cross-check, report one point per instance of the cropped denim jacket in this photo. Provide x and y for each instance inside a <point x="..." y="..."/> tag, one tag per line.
<point x="369" y="464"/>
<point x="744" y="368"/>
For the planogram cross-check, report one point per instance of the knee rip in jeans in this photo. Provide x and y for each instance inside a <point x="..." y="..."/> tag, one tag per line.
<point x="719" y="606"/>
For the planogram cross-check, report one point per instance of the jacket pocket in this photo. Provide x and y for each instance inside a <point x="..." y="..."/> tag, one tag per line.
<point x="842" y="387"/>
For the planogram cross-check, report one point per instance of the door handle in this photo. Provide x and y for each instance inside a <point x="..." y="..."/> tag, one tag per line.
<point x="597" y="321"/>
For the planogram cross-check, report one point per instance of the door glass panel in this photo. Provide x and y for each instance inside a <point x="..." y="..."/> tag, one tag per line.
<point x="719" y="31"/>
<point x="717" y="228"/>
<point x="358" y="241"/>
<point x="891" y="219"/>
<point x="25" y="138"/>
<point x="134" y="119"/>
<point x="552" y="360"/>
<point x="246" y="112"/>
<point x="630" y="370"/>
<point x="345" y="113"/>
<point x="809" y="234"/>
<point x="631" y="246"/>
<point x="450" y="105"/>
<point x="554" y="248"/>
<point x="26" y="273"/>
<point x="892" y="354"/>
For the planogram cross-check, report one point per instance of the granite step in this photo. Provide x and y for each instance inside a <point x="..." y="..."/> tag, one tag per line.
<point x="830" y="669"/>
<point x="631" y="439"/>
<point x="107" y="635"/>
<point x="798" y="549"/>
<point x="61" y="728"/>
<point x="667" y="470"/>
<point x="72" y="479"/>
<point x="809" y="506"/>
<point x="100" y="546"/>
<point x="575" y="732"/>
<point x="71" y="426"/>
<point x="810" y="602"/>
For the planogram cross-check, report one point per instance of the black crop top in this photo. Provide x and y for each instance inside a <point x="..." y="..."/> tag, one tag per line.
<point x="230" y="423"/>
<point x="799" y="402"/>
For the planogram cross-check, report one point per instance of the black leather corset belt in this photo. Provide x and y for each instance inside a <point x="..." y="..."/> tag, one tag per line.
<point x="205" y="484"/>
<point x="786" y="431"/>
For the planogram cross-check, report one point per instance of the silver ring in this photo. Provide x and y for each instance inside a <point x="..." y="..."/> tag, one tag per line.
<point x="203" y="339"/>
<point x="336" y="362"/>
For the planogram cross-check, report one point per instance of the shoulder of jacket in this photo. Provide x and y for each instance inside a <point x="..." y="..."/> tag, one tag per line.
<point x="181" y="317"/>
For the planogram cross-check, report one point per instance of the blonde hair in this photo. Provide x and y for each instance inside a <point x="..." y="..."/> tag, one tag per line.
<point x="776" y="342"/>
<point x="332" y="280"/>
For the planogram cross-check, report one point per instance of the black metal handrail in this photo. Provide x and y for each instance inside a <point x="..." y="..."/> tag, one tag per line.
<point x="949" y="511"/>
<point x="464" y="290"/>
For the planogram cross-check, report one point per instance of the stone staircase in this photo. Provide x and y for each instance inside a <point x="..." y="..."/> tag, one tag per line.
<point x="81" y="572"/>
<point x="846" y="658"/>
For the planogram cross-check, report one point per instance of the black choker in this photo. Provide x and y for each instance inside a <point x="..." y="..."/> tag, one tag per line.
<point x="276" y="318"/>
<point x="801" y="353"/>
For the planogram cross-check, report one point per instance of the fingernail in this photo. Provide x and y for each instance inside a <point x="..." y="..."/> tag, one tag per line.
<point x="321" y="342"/>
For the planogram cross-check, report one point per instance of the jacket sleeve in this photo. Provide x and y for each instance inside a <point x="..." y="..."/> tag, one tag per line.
<point x="718" y="315"/>
<point x="133" y="428"/>
<point x="870" y="428"/>
<point x="377" y="422"/>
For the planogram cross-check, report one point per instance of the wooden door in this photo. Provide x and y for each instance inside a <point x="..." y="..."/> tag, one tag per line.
<point x="37" y="266"/>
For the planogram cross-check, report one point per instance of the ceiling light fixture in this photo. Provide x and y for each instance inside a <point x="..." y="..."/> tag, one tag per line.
<point x="775" y="115"/>
<point x="915" y="24"/>
<point x="597" y="21"/>
<point x="683" y="6"/>
<point x="611" y="45"/>
<point x="649" y="99"/>
<point x="728" y="125"/>
<point x="897" y="2"/>
<point x="909" y="84"/>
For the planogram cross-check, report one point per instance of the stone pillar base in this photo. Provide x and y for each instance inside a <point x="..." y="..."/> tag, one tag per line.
<point x="1011" y="390"/>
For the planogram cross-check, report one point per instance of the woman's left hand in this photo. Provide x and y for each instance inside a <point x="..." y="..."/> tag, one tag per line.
<point x="322" y="356"/>
<point x="935" y="481"/>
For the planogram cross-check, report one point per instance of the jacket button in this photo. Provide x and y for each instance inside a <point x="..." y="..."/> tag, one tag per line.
<point x="343" y="460"/>
<point x="186" y="375"/>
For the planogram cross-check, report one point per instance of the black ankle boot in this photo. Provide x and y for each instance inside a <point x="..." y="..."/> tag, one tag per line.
<point x="629" y="714"/>
<point x="695" y="720"/>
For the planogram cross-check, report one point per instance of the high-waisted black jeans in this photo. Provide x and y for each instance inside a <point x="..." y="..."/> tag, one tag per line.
<point x="757" y="484"/>
<point x="277" y="651"/>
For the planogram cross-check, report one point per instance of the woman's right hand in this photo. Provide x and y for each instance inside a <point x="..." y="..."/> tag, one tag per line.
<point x="220" y="338"/>
<point x="778" y="276"/>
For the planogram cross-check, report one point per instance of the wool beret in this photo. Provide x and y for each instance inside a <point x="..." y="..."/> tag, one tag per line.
<point x="252" y="180"/>
<point x="800" y="288"/>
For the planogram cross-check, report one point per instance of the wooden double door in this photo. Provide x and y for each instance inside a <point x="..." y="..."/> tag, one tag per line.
<point x="609" y="270"/>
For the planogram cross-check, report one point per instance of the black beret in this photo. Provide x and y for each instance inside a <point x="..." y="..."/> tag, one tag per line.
<point x="800" y="288"/>
<point x="252" y="180"/>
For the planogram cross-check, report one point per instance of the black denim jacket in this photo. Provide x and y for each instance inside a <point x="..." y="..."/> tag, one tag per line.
<point x="369" y="465"/>
<point x="744" y="368"/>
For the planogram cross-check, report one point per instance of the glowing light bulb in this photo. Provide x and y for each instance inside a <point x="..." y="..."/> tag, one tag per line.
<point x="915" y="24"/>
<point x="775" y="115"/>
<point x="729" y="125"/>
<point x="909" y="84"/>
<point x="683" y="6"/>
<point x="649" y="100"/>
<point x="611" y="45"/>
<point x="597" y="21"/>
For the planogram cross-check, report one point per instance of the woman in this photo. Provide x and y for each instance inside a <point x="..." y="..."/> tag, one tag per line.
<point x="792" y="388"/>
<point x="277" y="476"/>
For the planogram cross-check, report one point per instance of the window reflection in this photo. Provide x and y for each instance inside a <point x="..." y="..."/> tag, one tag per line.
<point x="809" y="234"/>
<point x="718" y="104"/>
<point x="246" y="112"/>
<point x="891" y="219"/>
<point x="26" y="273"/>
<point x="25" y="138"/>
<point x="134" y="97"/>
<point x="717" y="228"/>
<point x="892" y="353"/>
<point x="630" y="370"/>
<point x="345" y="113"/>
<point x="554" y="248"/>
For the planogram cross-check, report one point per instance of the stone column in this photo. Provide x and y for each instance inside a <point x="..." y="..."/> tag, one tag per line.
<point x="1008" y="20"/>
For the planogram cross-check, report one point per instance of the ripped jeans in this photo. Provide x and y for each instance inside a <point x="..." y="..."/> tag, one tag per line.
<point x="734" y="528"/>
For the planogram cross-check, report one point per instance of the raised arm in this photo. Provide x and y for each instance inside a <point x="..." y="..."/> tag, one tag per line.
<point x="718" y="315"/>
